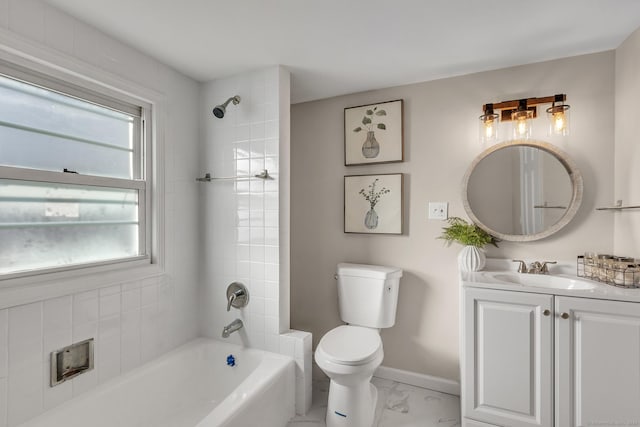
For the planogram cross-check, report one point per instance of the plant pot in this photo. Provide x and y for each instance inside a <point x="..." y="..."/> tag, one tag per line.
<point x="471" y="259"/>
<point x="371" y="219"/>
<point x="370" y="148"/>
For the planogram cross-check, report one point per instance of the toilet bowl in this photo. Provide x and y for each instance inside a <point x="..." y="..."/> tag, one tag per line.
<point x="349" y="355"/>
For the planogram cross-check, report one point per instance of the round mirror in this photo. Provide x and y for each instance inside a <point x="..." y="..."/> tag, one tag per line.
<point x="522" y="190"/>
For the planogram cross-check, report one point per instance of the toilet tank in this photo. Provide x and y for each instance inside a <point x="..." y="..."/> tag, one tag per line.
<point x="368" y="294"/>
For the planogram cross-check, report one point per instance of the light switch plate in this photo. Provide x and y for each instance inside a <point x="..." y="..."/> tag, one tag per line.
<point x="438" y="210"/>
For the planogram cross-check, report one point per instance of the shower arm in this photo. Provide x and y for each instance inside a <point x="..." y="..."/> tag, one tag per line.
<point x="235" y="99"/>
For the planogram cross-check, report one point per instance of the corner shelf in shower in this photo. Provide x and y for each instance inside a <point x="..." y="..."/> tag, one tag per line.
<point x="264" y="175"/>
<point x="618" y="207"/>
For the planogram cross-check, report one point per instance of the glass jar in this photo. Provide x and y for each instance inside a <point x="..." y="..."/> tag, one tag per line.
<point x="634" y="274"/>
<point x="631" y="276"/>
<point x="604" y="268"/>
<point x="590" y="264"/>
<point x="620" y="269"/>
<point x="581" y="265"/>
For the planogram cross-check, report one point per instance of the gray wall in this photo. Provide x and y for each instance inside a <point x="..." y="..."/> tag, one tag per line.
<point x="441" y="140"/>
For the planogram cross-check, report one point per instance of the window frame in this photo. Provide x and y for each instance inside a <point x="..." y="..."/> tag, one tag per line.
<point x="116" y="93"/>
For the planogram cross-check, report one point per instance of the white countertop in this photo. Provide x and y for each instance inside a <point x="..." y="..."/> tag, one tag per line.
<point x="485" y="279"/>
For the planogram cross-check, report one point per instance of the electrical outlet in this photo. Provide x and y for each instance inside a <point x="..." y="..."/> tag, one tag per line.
<point x="438" y="210"/>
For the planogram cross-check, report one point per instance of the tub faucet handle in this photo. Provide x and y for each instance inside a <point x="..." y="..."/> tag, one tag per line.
<point x="237" y="295"/>
<point x="522" y="267"/>
<point x="230" y="301"/>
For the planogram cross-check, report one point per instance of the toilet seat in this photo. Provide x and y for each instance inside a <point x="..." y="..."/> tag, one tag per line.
<point x="350" y="345"/>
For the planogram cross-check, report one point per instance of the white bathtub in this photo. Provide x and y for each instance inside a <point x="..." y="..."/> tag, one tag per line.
<point x="190" y="386"/>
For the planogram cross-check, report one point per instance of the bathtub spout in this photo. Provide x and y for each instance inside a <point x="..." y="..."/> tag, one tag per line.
<point x="231" y="328"/>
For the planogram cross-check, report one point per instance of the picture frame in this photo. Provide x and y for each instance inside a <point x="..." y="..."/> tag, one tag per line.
<point x="374" y="133"/>
<point x="374" y="204"/>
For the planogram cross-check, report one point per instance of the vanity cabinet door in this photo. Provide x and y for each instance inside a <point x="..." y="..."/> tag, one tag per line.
<point x="597" y="362"/>
<point x="507" y="367"/>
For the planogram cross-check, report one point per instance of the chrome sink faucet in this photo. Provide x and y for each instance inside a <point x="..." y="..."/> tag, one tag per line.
<point x="536" y="267"/>
<point x="232" y="327"/>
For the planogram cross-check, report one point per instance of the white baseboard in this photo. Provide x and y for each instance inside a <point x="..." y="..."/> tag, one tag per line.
<point x="419" y="380"/>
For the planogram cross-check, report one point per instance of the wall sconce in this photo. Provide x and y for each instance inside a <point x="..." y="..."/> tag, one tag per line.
<point x="522" y="121"/>
<point x="521" y="112"/>
<point x="489" y="124"/>
<point x="558" y="115"/>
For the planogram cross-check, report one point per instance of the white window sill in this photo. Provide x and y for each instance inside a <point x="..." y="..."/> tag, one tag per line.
<point x="26" y="290"/>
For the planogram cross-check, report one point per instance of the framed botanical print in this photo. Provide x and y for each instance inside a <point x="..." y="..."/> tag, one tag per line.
<point x="373" y="133"/>
<point x="373" y="203"/>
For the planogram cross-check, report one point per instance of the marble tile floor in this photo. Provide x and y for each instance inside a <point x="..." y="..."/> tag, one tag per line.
<point x="399" y="405"/>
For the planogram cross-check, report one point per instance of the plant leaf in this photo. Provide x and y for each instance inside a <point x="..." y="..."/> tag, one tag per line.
<point x="369" y="112"/>
<point x="358" y="129"/>
<point x="381" y="113"/>
<point x="366" y="120"/>
<point x="466" y="233"/>
<point x="382" y="126"/>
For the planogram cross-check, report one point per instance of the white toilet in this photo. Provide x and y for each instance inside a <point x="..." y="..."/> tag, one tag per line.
<point x="349" y="354"/>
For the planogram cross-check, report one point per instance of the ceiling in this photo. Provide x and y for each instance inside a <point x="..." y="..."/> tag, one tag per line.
<point x="334" y="47"/>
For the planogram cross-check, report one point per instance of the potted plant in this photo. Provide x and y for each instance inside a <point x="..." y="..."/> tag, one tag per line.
<point x="474" y="239"/>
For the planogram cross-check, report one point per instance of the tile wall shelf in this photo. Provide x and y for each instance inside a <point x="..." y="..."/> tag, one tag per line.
<point x="262" y="175"/>
<point x="618" y="207"/>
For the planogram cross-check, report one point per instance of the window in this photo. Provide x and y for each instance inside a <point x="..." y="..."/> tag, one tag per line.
<point x="73" y="168"/>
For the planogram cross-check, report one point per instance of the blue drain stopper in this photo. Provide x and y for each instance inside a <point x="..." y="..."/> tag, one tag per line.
<point x="231" y="361"/>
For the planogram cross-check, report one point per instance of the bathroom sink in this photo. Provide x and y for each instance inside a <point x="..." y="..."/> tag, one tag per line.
<point x="543" y="281"/>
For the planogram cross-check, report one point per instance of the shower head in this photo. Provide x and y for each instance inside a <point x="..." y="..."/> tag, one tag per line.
<point x="219" y="110"/>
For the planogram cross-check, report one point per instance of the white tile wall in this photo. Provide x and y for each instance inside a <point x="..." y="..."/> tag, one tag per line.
<point x="29" y="333"/>
<point x="57" y="333"/>
<point x="131" y="322"/>
<point x="25" y="396"/>
<point x="3" y="402"/>
<point x="4" y="343"/>
<point x="297" y="344"/>
<point x="241" y="218"/>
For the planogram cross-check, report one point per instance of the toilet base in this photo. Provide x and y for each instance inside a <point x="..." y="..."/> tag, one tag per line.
<point x="351" y="406"/>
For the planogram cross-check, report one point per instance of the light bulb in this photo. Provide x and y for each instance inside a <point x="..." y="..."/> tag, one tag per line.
<point x="522" y="124"/>
<point x="488" y="130"/>
<point x="489" y="126"/>
<point x="558" y="120"/>
<point x="558" y="115"/>
<point x="522" y="127"/>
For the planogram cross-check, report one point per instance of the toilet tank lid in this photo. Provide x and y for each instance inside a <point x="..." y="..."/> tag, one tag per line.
<point x="371" y="271"/>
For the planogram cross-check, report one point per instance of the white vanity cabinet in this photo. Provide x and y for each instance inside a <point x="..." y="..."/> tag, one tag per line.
<point x="597" y="359"/>
<point x="537" y="359"/>
<point x="508" y="365"/>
